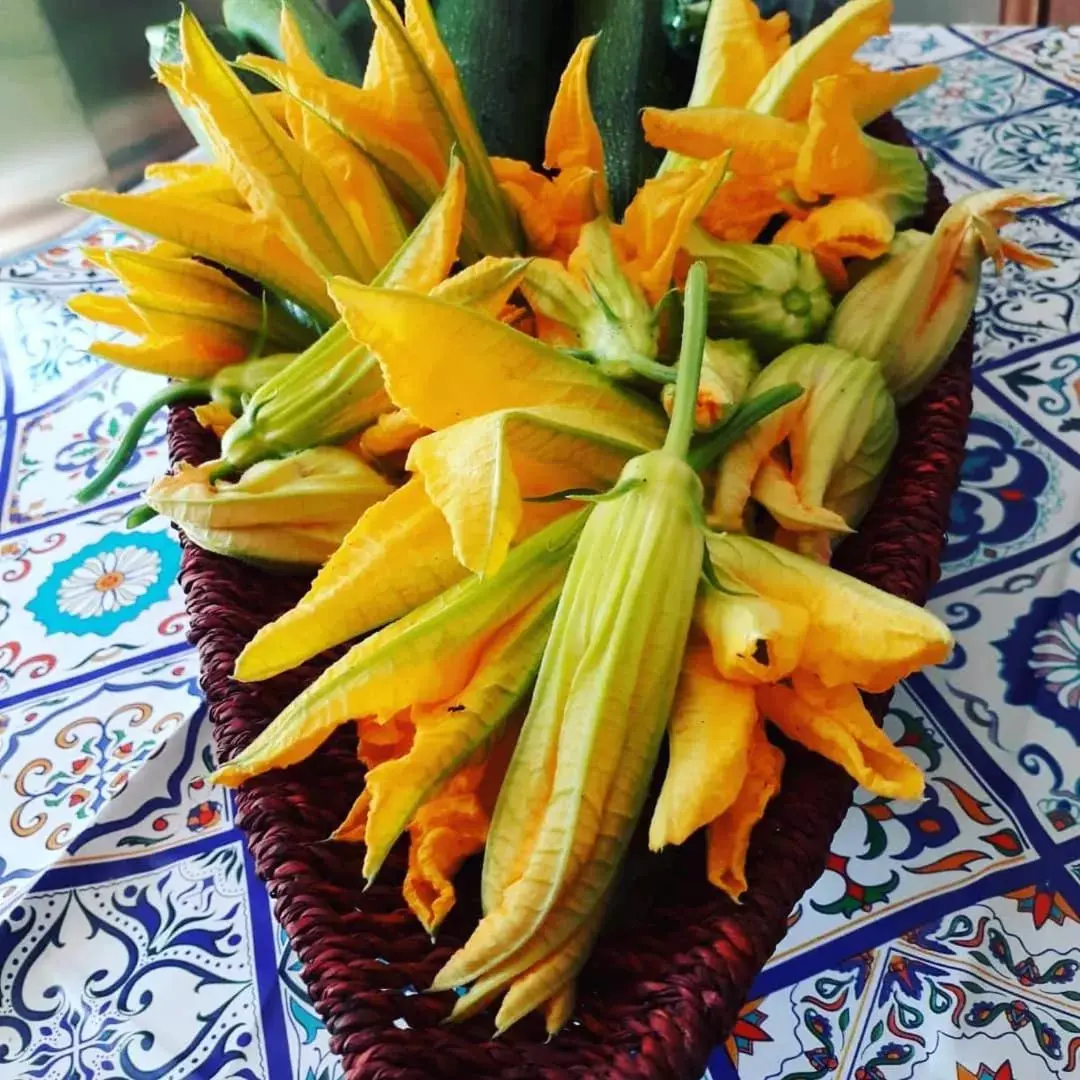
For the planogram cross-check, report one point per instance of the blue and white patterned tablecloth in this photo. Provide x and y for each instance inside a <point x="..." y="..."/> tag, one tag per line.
<point x="135" y="940"/>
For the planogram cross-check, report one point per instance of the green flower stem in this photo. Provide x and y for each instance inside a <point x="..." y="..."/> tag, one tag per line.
<point x="691" y="352"/>
<point x="652" y="369"/>
<point x="191" y="390"/>
<point x="140" y="516"/>
<point x="742" y="419"/>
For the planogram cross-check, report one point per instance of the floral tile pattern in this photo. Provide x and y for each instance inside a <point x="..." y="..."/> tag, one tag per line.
<point x="89" y="593"/>
<point x="889" y="855"/>
<point x="150" y="974"/>
<point x="1053" y="52"/>
<point x="60" y="448"/>
<point x="989" y="991"/>
<point x="942" y="940"/>
<point x="1037" y="150"/>
<point x="973" y="89"/>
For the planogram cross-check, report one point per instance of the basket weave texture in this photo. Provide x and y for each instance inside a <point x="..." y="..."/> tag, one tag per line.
<point x="671" y="971"/>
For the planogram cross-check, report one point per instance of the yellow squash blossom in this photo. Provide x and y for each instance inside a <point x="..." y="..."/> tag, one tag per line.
<point x="738" y="47"/>
<point x="424" y="658"/>
<point x="334" y="389"/>
<point x="602" y="302"/>
<point x="827" y="49"/>
<point x="318" y="190"/>
<point x="230" y="235"/>
<point x="580" y="770"/>
<point x="552" y="210"/>
<point x="295" y="511"/>
<point x="788" y="641"/>
<point x="192" y="318"/>
<point x="779" y="166"/>
<point x="908" y="312"/>
<point x="838" y="437"/>
<point x="446" y="363"/>
<point x="872" y="184"/>
<point x="480" y="472"/>
<point x="407" y="116"/>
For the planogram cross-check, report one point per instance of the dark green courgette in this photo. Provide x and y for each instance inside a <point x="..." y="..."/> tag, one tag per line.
<point x="503" y="50"/>
<point x="630" y="68"/>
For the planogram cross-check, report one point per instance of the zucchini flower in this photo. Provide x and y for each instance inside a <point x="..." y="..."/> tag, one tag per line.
<point x="727" y="370"/>
<point x="407" y="117"/>
<point x="839" y="436"/>
<point x="580" y="771"/>
<point x="552" y="209"/>
<point x="602" y="305"/>
<point x="293" y="512"/>
<point x="796" y="139"/>
<point x="908" y="313"/>
<point x="771" y="294"/>
<point x="335" y="389"/>
<point x="433" y="692"/>
<point x="192" y="318"/>
<point x="829" y="49"/>
<point x="872" y="184"/>
<point x="790" y="642"/>
<point x="514" y="420"/>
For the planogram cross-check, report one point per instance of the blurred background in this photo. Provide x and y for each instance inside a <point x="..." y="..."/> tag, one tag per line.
<point x="80" y="108"/>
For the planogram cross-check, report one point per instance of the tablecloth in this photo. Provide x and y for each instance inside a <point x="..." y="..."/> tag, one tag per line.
<point x="943" y="939"/>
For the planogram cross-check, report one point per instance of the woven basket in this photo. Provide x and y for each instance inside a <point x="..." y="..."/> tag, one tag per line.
<point x="674" y="966"/>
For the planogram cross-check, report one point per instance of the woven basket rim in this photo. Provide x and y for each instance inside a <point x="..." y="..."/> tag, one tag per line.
<point x="662" y="988"/>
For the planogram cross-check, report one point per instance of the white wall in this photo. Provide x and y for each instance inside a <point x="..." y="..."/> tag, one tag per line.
<point x="945" y="11"/>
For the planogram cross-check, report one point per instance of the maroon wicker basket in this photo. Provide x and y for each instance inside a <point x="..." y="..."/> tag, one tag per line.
<point x="670" y="973"/>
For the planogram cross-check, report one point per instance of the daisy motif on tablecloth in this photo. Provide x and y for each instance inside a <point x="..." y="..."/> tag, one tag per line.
<point x="107" y="584"/>
<point x="109" y="581"/>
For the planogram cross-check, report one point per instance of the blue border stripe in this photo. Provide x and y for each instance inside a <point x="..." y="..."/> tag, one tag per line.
<point x="888" y="926"/>
<point x="72" y="515"/>
<point x="65" y="876"/>
<point x="985" y="571"/>
<point x="133" y="665"/>
<point x="983" y="763"/>
<point x="1041" y="433"/>
<point x="264" y="947"/>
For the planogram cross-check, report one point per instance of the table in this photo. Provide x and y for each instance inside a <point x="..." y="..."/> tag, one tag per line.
<point x="135" y="940"/>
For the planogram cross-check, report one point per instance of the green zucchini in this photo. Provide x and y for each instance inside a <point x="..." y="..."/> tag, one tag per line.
<point x="631" y="67"/>
<point x="503" y="50"/>
<point x="258" y="22"/>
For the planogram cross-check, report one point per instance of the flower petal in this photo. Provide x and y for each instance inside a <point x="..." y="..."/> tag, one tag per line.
<point x="834" y="723"/>
<point x="479" y="472"/>
<point x="857" y="634"/>
<point x="709" y="734"/>
<point x="759" y="145"/>
<point x="774" y="488"/>
<point x="445" y="363"/>
<point x="402" y="553"/>
<point x="426" y="656"/>
<point x="738" y="47"/>
<point x="444" y="833"/>
<point x="754" y="639"/>
<point x="729" y="834"/>
<point x="449" y="734"/>
<point x="426" y="257"/>
<point x="573" y="139"/>
<point x="485" y="286"/>
<point x="224" y="234"/>
<point x="284" y="183"/>
<point x="657" y="220"/>
<point x="826" y="50"/>
<point x="877" y="92"/>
